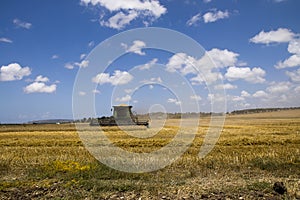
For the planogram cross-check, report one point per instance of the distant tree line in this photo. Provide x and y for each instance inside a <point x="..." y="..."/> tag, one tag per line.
<point x="176" y="115"/>
<point x="261" y="110"/>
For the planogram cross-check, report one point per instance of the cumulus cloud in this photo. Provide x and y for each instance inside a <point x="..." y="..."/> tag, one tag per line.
<point x="175" y="101"/>
<point x="182" y="62"/>
<point x="214" y="58"/>
<point x="128" y="10"/>
<point x="22" y="24"/>
<point x="193" y="20"/>
<point x="69" y="66"/>
<point x="292" y="61"/>
<point x="118" y="78"/>
<point x="223" y="58"/>
<point x="39" y="87"/>
<point x="278" y="36"/>
<point x="82" y="56"/>
<point x="294" y="46"/>
<point x="54" y="57"/>
<point x="136" y="47"/>
<point x="196" y="97"/>
<point x="95" y="91"/>
<point x="237" y="98"/>
<point x="294" y="76"/>
<point x="149" y="64"/>
<point x="120" y="20"/>
<point x="245" y="94"/>
<point x="226" y="86"/>
<point x="126" y="98"/>
<point x="82" y="64"/>
<point x="215" y="15"/>
<point x="40" y="78"/>
<point x="279" y="87"/>
<point x="81" y="93"/>
<point x="254" y="75"/>
<point x="6" y="40"/>
<point x="260" y="94"/>
<point x="13" y="72"/>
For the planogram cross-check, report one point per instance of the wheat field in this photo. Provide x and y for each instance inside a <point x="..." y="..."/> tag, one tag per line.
<point x="253" y="152"/>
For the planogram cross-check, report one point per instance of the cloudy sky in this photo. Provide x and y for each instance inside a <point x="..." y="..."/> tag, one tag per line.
<point x="254" y="47"/>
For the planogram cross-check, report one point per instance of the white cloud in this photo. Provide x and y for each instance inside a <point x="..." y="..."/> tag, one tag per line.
<point x="237" y="98"/>
<point x="118" y="78"/>
<point x="126" y="98"/>
<point x="214" y="58"/>
<point x="294" y="46"/>
<point x="215" y="15"/>
<point x="279" y="87"/>
<point x="223" y="58"/>
<point x="156" y="80"/>
<point x="91" y="44"/>
<point x="245" y="94"/>
<point x="82" y="64"/>
<point x="196" y="97"/>
<point x="128" y="90"/>
<point x="278" y="1"/>
<point x="292" y="61"/>
<point x="150" y="7"/>
<point x="69" y="66"/>
<point x="193" y="20"/>
<point x="226" y="86"/>
<point x="136" y="47"/>
<point x="120" y="20"/>
<point x="149" y="64"/>
<point x="175" y="101"/>
<point x="207" y="1"/>
<point x="254" y="75"/>
<point x="95" y="91"/>
<point x="22" y="24"/>
<point x="181" y="62"/>
<point x="54" y="56"/>
<point x="13" y="72"/>
<point x="294" y="76"/>
<point x="278" y="36"/>
<point x="260" y="94"/>
<point x="40" y="78"/>
<point x="39" y="87"/>
<point x="82" y="56"/>
<point x="297" y="89"/>
<point x="128" y="11"/>
<point x="6" y="40"/>
<point x="81" y="93"/>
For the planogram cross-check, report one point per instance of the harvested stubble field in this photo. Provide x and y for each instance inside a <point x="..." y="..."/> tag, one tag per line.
<point x="253" y="152"/>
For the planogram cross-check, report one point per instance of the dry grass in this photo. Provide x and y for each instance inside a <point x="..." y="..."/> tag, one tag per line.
<point x="253" y="152"/>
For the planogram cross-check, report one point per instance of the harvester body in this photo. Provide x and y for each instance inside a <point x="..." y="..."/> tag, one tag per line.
<point x="122" y="116"/>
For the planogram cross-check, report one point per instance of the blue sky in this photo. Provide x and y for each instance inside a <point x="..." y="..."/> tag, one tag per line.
<point x="254" y="45"/>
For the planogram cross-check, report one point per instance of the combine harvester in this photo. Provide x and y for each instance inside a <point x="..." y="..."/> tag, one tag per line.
<point x="122" y="116"/>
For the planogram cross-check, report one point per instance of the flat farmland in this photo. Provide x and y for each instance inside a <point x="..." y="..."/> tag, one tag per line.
<point x="253" y="152"/>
